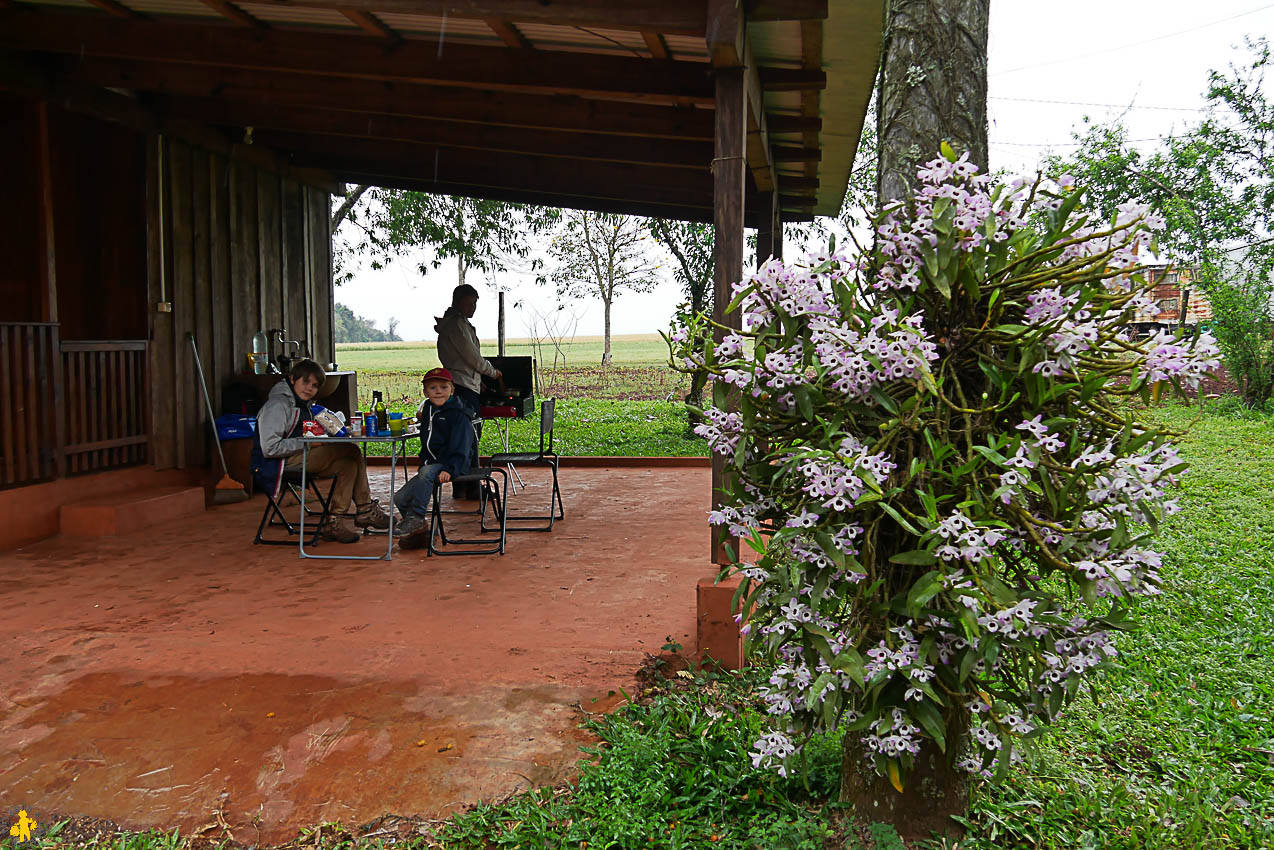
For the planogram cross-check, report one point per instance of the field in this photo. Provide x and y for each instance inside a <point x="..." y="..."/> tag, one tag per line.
<point x="631" y="408"/>
<point x="581" y="352"/>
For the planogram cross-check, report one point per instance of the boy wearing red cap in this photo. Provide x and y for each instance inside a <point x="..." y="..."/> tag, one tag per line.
<point x="446" y="441"/>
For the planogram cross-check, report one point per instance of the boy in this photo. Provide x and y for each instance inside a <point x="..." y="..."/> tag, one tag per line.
<point x="446" y="440"/>
<point x="277" y="444"/>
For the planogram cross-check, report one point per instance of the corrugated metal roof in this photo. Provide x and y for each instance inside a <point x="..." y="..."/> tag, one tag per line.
<point x="432" y="24"/>
<point x="184" y="8"/>
<point x="300" y="15"/>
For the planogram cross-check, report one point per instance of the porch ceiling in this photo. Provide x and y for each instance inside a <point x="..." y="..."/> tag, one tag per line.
<point x="580" y="103"/>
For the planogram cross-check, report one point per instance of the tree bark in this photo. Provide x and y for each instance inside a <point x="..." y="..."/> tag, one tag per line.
<point x="342" y="211"/>
<point x="933" y="88"/>
<point x="933" y="791"/>
<point x="606" y="358"/>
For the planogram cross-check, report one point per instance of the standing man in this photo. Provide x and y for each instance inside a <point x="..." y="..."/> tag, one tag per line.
<point x="461" y="354"/>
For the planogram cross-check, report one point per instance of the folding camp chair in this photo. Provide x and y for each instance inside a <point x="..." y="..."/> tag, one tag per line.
<point x="489" y="493"/>
<point x="546" y="456"/>
<point x="273" y="514"/>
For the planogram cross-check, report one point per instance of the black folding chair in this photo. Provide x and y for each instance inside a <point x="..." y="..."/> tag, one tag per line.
<point x="489" y="493"/>
<point x="273" y="514"/>
<point x="546" y="456"/>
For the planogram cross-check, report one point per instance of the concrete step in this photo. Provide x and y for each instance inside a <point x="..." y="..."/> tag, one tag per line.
<point x="124" y="513"/>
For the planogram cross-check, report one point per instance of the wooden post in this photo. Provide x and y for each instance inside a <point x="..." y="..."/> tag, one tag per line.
<point x="769" y="233"/>
<point x="500" y="327"/>
<point x="49" y="296"/>
<point x="728" y="170"/>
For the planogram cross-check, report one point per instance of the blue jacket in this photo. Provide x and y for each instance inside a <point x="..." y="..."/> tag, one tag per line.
<point x="278" y="436"/>
<point x="446" y="435"/>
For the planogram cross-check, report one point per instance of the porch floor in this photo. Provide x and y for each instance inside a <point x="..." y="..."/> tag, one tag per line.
<point x="161" y="678"/>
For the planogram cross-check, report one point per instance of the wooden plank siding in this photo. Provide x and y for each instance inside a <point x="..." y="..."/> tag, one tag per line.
<point x="245" y="249"/>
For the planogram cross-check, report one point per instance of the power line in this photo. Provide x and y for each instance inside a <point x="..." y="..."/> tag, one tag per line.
<point x="1067" y="144"/>
<point x="1135" y="43"/>
<point x="1112" y="105"/>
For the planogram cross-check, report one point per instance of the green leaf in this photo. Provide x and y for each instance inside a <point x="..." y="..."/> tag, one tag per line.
<point x="887" y="508"/>
<point x="850" y="662"/>
<point x="803" y="402"/>
<point x="925" y="588"/>
<point x="931" y="721"/>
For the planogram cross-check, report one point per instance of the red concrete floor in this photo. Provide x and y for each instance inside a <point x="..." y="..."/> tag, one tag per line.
<point x="162" y="678"/>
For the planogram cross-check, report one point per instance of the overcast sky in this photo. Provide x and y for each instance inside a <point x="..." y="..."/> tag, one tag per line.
<point x="1050" y="65"/>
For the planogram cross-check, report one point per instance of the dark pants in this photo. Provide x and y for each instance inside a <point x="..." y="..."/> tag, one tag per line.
<point x="469" y="401"/>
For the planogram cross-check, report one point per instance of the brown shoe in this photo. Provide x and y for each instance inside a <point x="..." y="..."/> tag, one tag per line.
<point x="338" y="530"/>
<point x="372" y="516"/>
<point x="417" y="538"/>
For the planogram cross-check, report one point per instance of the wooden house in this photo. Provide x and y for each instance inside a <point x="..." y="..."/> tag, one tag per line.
<point x="170" y="165"/>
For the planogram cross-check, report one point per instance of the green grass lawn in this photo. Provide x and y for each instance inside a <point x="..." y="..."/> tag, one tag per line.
<point x="631" y="408"/>
<point x="1172" y="750"/>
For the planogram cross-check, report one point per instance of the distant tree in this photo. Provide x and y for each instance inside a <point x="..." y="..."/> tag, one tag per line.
<point x="1213" y="184"/>
<point x="599" y="255"/>
<point x="691" y="245"/>
<point x="489" y="236"/>
<point x="353" y="328"/>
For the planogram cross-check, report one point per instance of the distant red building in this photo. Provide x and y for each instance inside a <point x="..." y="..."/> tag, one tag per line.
<point x="1174" y="289"/>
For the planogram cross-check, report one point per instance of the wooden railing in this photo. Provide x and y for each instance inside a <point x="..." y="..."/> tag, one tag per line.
<point x="28" y="402"/>
<point x="105" y="419"/>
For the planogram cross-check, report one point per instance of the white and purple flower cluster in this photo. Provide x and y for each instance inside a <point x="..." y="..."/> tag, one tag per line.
<point x="1038" y="485"/>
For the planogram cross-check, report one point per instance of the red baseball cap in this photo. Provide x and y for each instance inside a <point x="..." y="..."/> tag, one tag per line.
<point x="438" y="374"/>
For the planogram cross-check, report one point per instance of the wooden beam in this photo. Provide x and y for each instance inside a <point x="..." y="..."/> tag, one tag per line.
<point x="786" y="10"/>
<point x="792" y="79"/>
<point x="119" y="10"/>
<point x="785" y="124"/>
<point x="370" y="24"/>
<point x="811" y="60"/>
<point x="729" y="47"/>
<point x="569" y="197"/>
<point x="48" y="254"/>
<point x="361" y="57"/>
<point x="728" y="202"/>
<point x="656" y="45"/>
<point x="679" y="17"/>
<point x="488" y="174"/>
<point x="234" y="13"/>
<point x="375" y="97"/>
<point x="657" y="153"/>
<point x="508" y="33"/>
<point x="789" y="154"/>
<point x="792" y="202"/>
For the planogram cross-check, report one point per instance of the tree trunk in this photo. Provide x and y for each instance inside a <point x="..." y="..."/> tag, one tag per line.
<point x="933" y="791"/>
<point x="933" y="88"/>
<point x="606" y="358"/>
<point x="461" y="268"/>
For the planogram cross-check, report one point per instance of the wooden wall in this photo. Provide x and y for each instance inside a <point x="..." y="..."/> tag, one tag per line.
<point x="243" y="249"/>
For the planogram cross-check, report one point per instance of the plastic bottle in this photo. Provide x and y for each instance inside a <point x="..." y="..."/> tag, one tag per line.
<point x="382" y="420"/>
<point x="260" y="358"/>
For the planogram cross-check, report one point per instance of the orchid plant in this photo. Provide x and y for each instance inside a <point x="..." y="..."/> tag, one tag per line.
<point x="929" y="451"/>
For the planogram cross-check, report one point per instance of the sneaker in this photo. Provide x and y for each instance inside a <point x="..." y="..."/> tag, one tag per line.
<point x="409" y="524"/>
<point x="372" y="516"/>
<point x="338" y="530"/>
